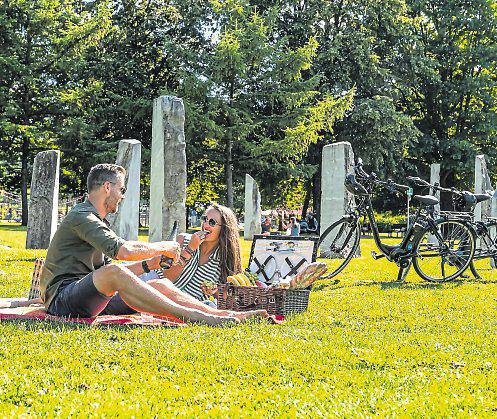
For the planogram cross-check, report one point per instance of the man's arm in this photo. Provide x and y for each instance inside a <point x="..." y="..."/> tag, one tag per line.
<point x="135" y="250"/>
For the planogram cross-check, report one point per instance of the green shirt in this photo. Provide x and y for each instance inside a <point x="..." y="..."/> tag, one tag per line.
<point x="83" y="243"/>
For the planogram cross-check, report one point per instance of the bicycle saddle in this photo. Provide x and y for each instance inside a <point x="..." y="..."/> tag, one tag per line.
<point x="480" y="197"/>
<point x="426" y="199"/>
<point x="353" y="186"/>
<point x="469" y="197"/>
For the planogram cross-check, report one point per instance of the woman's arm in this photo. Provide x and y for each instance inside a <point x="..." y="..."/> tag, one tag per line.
<point x="174" y="271"/>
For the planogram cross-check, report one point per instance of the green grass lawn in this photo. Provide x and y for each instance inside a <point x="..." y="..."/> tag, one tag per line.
<point x="367" y="346"/>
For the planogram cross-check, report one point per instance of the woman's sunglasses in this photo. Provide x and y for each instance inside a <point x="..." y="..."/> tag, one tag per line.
<point x="211" y="221"/>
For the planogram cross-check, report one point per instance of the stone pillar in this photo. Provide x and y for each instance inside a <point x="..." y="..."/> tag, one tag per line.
<point x="168" y="168"/>
<point x="44" y="200"/>
<point x="435" y="178"/>
<point x="125" y="222"/>
<point x="493" y="214"/>
<point x="337" y="162"/>
<point x="252" y="219"/>
<point x="482" y="185"/>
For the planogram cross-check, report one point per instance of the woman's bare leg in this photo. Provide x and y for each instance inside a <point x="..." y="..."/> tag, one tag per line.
<point x="167" y="288"/>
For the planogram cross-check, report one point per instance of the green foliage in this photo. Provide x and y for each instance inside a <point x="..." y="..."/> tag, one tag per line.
<point x="390" y="217"/>
<point x="42" y="45"/>
<point x="448" y="85"/>
<point x="265" y="84"/>
<point x="317" y="121"/>
<point x="251" y="87"/>
<point x="380" y="134"/>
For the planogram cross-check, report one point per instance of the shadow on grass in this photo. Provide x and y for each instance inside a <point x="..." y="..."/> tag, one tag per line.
<point x="394" y="285"/>
<point x="4" y="227"/>
<point x="17" y="259"/>
<point x="35" y="325"/>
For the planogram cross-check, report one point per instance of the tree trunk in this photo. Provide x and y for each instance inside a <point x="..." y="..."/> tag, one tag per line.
<point x="307" y="198"/>
<point x="24" y="180"/>
<point x="229" y="174"/>
<point x="316" y="194"/>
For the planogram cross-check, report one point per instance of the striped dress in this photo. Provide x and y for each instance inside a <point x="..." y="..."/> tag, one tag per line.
<point x="194" y="274"/>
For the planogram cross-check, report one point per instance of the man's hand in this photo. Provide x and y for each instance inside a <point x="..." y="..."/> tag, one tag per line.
<point x="154" y="262"/>
<point x="170" y="249"/>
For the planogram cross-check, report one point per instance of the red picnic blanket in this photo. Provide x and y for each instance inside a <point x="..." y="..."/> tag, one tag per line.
<point x="39" y="313"/>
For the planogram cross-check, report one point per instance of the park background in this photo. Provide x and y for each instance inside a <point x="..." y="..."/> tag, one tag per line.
<point x="265" y="85"/>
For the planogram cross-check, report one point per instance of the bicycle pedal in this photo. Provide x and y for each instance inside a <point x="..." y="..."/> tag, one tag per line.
<point x="376" y="256"/>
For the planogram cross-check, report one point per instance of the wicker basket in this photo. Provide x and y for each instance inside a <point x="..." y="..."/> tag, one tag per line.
<point x="275" y="300"/>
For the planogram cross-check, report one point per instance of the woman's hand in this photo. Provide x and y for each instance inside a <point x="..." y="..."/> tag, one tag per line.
<point x="197" y="239"/>
<point x="208" y="290"/>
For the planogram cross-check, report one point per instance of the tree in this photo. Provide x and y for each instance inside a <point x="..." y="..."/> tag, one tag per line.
<point x="249" y="88"/>
<point x="42" y="43"/>
<point x="359" y="43"/>
<point x="449" y="85"/>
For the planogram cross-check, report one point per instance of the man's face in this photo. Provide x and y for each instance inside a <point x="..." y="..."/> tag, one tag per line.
<point x="114" y="195"/>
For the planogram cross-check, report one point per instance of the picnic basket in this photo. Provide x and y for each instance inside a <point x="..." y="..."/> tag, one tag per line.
<point x="278" y="301"/>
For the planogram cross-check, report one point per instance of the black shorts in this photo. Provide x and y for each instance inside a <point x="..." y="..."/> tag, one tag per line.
<point x="80" y="298"/>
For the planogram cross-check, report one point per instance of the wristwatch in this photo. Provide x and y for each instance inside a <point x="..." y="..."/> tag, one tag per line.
<point x="189" y="250"/>
<point x="145" y="267"/>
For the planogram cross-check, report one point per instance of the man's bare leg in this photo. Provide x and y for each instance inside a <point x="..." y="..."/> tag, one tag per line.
<point x="142" y="297"/>
<point x="167" y="288"/>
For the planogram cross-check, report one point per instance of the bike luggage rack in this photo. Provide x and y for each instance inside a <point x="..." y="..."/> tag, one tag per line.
<point x="457" y="215"/>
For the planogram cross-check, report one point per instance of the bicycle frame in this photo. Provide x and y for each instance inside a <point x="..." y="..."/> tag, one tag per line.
<point x="489" y="248"/>
<point x="403" y="250"/>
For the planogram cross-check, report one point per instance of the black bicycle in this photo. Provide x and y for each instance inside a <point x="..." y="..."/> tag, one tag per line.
<point x="439" y="249"/>
<point x="463" y="204"/>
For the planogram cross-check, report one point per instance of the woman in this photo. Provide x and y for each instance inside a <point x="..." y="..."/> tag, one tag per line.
<point x="211" y="254"/>
<point x="293" y="226"/>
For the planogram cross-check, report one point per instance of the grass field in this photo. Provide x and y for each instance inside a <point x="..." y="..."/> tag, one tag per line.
<point x="367" y="346"/>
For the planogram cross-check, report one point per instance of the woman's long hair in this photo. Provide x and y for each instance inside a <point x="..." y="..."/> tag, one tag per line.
<point x="229" y="243"/>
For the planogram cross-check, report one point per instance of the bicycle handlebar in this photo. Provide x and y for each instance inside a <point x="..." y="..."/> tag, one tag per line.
<point x="421" y="182"/>
<point x="389" y="184"/>
<point x="418" y="181"/>
<point x="393" y="187"/>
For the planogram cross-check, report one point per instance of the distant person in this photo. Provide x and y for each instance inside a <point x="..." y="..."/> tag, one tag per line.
<point x="312" y="223"/>
<point x="266" y="226"/>
<point x="79" y="280"/>
<point x="293" y="226"/>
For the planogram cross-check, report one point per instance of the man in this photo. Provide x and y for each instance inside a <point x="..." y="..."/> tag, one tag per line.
<point x="266" y="226"/>
<point x="78" y="278"/>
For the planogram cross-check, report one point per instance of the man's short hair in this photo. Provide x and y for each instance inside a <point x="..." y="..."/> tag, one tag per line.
<point x="102" y="173"/>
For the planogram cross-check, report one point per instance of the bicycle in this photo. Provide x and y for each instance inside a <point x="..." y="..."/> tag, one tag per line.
<point x="464" y="203"/>
<point x="443" y="245"/>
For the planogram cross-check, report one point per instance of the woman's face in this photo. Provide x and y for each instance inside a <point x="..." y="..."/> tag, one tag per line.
<point x="215" y="231"/>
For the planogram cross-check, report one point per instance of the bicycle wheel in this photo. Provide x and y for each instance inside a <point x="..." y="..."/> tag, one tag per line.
<point x="444" y="256"/>
<point x="338" y="244"/>
<point x="485" y="253"/>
